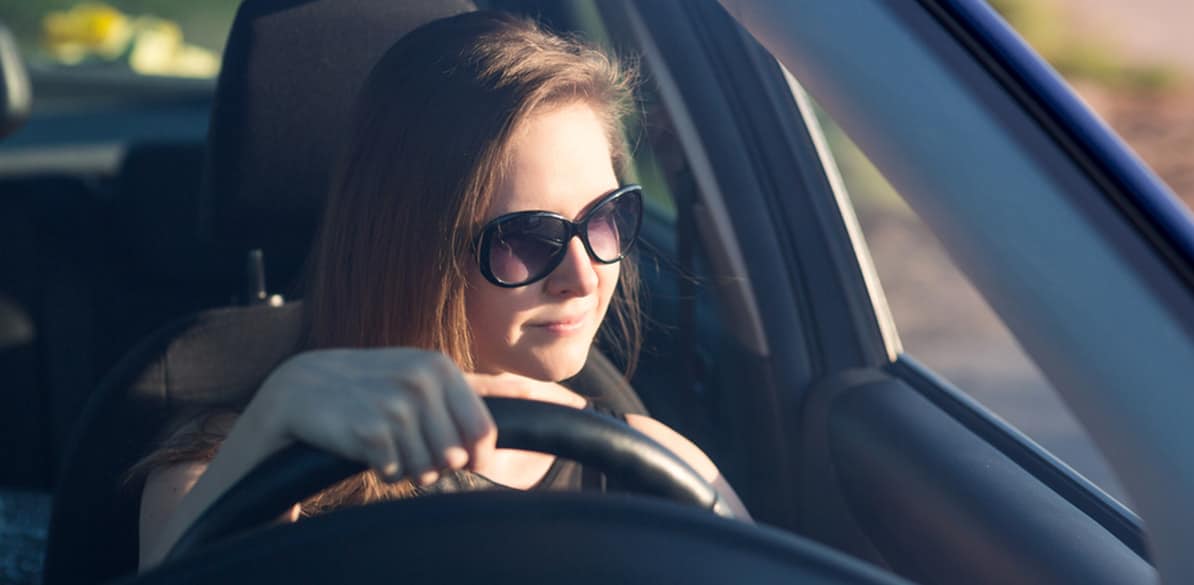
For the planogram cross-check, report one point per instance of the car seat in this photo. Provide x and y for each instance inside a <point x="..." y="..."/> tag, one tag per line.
<point x="290" y="67"/>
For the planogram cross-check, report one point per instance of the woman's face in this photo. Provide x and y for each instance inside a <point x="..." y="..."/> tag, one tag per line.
<point x="560" y="162"/>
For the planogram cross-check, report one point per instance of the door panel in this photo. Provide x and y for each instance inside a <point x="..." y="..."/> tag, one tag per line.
<point x="915" y="489"/>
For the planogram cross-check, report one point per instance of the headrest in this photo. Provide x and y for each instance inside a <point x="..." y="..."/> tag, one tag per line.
<point x="291" y="72"/>
<point x="155" y="206"/>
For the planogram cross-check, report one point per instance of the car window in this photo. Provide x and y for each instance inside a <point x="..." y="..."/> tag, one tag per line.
<point x="85" y="56"/>
<point x="944" y="323"/>
<point x="174" y="38"/>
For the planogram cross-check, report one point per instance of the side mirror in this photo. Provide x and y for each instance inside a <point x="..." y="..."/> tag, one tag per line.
<point x="16" y="95"/>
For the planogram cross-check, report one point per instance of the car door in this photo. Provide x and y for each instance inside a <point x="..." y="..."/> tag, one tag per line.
<point x="800" y="389"/>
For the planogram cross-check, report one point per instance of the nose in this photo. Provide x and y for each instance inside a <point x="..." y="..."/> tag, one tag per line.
<point x="575" y="276"/>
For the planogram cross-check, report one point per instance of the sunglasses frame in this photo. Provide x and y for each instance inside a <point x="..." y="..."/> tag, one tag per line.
<point x="579" y="228"/>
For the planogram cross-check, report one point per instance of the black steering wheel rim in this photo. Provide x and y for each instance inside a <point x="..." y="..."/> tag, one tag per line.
<point x="639" y="464"/>
<point x="502" y="536"/>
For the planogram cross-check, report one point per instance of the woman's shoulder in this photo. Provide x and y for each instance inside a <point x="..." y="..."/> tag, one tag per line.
<point x="171" y="471"/>
<point x="677" y="443"/>
<point x="691" y="454"/>
<point x="195" y="436"/>
<point x="190" y="440"/>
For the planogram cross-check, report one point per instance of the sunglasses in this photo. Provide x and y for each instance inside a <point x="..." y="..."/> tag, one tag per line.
<point x="520" y="248"/>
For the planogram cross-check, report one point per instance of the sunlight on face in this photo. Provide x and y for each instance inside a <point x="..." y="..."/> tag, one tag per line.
<point x="560" y="162"/>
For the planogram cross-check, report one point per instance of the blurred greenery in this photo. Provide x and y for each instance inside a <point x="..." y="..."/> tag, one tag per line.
<point x="203" y="22"/>
<point x="1043" y="25"/>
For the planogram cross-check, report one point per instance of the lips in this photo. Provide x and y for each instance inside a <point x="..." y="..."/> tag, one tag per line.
<point x="561" y="325"/>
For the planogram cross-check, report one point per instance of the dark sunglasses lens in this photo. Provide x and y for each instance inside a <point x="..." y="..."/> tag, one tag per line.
<point x="523" y="248"/>
<point x="614" y="225"/>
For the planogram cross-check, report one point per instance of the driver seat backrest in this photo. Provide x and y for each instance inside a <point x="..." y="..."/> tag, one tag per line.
<point x="214" y="359"/>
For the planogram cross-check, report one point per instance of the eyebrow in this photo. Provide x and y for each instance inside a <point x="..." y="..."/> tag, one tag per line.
<point x="583" y="211"/>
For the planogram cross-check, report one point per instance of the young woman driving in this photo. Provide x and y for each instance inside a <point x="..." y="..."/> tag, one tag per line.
<point x="472" y="244"/>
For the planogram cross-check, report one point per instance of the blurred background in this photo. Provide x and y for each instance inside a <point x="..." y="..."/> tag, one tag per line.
<point x="1132" y="61"/>
<point x="180" y="38"/>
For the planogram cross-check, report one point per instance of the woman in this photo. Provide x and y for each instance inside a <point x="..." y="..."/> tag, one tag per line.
<point x="472" y="245"/>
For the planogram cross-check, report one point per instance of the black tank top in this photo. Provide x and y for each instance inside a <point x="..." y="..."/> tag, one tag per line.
<point x="562" y="475"/>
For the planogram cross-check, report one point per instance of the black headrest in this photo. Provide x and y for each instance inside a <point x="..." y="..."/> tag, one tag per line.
<point x="291" y="71"/>
<point x="155" y="206"/>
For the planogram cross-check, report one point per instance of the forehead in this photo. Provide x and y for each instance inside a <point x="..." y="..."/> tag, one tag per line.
<point x="559" y="161"/>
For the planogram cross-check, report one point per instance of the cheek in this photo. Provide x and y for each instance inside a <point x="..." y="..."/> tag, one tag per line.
<point x="607" y="283"/>
<point x="485" y="307"/>
<point x="493" y="312"/>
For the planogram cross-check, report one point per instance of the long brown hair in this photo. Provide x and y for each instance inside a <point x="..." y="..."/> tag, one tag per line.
<point x="428" y="147"/>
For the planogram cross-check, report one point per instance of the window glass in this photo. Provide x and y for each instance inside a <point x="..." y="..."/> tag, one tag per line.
<point x="945" y="324"/>
<point x="1132" y="61"/>
<point x="173" y="38"/>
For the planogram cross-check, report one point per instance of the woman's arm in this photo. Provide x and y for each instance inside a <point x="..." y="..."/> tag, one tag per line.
<point x="692" y="455"/>
<point x="164" y="489"/>
<point x="403" y="412"/>
<point x="175" y="495"/>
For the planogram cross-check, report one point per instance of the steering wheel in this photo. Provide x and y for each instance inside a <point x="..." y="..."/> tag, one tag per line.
<point x="501" y="536"/>
<point x="295" y="473"/>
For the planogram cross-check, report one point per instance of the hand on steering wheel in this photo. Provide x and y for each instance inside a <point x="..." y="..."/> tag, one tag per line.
<point x="404" y="412"/>
<point x="299" y="471"/>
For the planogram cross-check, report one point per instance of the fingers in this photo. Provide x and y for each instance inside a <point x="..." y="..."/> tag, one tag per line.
<point x="403" y="415"/>
<point x="508" y="385"/>
<point x="403" y="412"/>
<point x="443" y="439"/>
<point x="436" y="385"/>
<point x="503" y="385"/>
<point x="475" y="425"/>
<point x="378" y="450"/>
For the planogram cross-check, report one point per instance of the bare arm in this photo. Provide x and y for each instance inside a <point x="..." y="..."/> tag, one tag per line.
<point x="164" y="489"/>
<point x="692" y="455"/>
<point x="175" y="495"/>
<point x="401" y="411"/>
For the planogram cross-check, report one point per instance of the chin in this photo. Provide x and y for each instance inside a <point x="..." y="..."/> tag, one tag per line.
<point x="553" y="365"/>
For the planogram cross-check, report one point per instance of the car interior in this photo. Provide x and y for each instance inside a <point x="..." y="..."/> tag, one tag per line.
<point x="184" y="216"/>
<point x="170" y="282"/>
